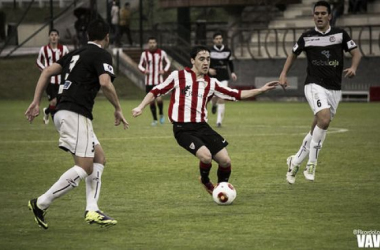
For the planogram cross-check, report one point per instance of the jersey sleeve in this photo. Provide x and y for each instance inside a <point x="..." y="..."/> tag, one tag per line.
<point x="226" y="92"/>
<point x="299" y="46"/>
<point x="166" y="60"/>
<point x="142" y="63"/>
<point x="348" y="43"/>
<point x="103" y="65"/>
<point x="168" y="85"/>
<point x="41" y="59"/>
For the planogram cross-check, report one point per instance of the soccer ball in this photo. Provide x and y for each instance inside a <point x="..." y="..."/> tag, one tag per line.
<point x="224" y="193"/>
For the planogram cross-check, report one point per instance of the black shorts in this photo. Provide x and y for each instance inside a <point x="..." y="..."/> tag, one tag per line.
<point x="52" y="91"/>
<point x="192" y="136"/>
<point x="148" y="88"/>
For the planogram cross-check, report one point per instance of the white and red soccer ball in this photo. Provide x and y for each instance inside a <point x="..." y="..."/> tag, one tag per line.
<point x="224" y="193"/>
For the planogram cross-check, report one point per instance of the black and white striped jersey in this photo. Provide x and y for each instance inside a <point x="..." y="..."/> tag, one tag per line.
<point x="220" y="61"/>
<point x="324" y="52"/>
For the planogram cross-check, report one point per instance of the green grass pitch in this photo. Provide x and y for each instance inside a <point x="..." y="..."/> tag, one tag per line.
<point x="150" y="184"/>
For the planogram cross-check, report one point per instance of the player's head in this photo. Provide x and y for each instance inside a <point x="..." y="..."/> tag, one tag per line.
<point x="217" y="38"/>
<point x="152" y="43"/>
<point x="98" y="30"/>
<point x="53" y="36"/>
<point x="200" y="59"/>
<point x="322" y="15"/>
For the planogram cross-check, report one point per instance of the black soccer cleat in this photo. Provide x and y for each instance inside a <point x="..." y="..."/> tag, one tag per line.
<point x="39" y="214"/>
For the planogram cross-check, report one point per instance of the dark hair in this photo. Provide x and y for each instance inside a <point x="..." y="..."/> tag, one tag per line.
<point x="53" y="30"/>
<point x="323" y="3"/>
<point x="218" y="33"/>
<point x="152" y="38"/>
<point x="196" y="49"/>
<point x="97" y="30"/>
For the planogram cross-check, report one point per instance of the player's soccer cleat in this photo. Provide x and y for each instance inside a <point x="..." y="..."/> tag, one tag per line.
<point x="39" y="214"/>
<point x="209" y="187"/>
<point x="45" y="116"/>
<point x="162" y="119"/>
<point x="309" y="172"/>
<point x="292" y="170"/>
<point x="219" y="125"/>
<point x="154" y="123"/>
<point x="213" y="109"/>
<point x="100" y="218"/>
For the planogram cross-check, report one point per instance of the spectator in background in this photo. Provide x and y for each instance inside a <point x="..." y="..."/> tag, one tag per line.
<point x="337" y="9"/>
<point x="114" y="21"/>
<point x="124" y="24"/>
<point x="356" y="6"/>
<point x="48" y="55"/>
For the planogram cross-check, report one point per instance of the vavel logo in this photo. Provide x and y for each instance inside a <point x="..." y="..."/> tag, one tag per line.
<point x="367" y="239"/>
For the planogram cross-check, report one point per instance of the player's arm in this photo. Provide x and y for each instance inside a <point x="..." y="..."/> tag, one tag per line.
<point x="139" y="109"/>
<point x="40" y="59"/>
<point x="356" y="57"/>
<point x="231" y="65"/>
<point x="44" y="79"/>
<point x="142" y="64"/>
<point x="110" y="93"/>
<point x="161" y="89"/>
<point x="288" y="64"/>
<point x="254" y="92"/>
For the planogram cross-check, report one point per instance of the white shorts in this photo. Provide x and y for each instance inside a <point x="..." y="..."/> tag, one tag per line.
<point x="76" y="133"/>
<point x="320" y="98"/>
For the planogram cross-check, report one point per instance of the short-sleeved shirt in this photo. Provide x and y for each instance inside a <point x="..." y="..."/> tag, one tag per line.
<point x="324" y="52"/>
<point x="221" y="61"/>
<point x="80" y="73"/>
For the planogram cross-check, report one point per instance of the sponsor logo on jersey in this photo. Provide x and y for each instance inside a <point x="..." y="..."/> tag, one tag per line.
<point x="333" y="63"/>
<point x="326" y="53"/>
<point x="67" y="84"/>
<point x="332" y="39"/>
<point x="351" y="44"/>
<point x="108" y="68"/>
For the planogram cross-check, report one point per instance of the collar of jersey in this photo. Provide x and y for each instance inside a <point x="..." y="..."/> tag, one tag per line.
<point x="221" y="48"/>
<point x="94" y="44"/>
<point x="323" y="33"/>
<point x="206" y="78"/>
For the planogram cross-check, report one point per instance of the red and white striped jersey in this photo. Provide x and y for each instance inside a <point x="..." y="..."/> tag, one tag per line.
<point x="190" y="95"/>
<point x="48" y="56"/>
<point x="153" y="63"/>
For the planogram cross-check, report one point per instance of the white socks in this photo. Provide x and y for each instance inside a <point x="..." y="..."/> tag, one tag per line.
<point x="68" y="181"/>
<point x="93" y="183"/>
<point x="221" y="108"/>
<point x="303" y="151"/>
<point x="317" y="140"/>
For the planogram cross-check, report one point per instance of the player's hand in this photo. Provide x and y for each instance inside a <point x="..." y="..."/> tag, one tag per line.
<point x="161" y="72"/>
<point x="269" y="86"/>
<point x="136" y="112"/>
<point x="119" y="118"/>
<point x="283" y="81"/>
<point x="234" y="76"/>
<point x="32" y="112"/>
<point x="146" y="72"/>
<point x="212" y="72"/>
<point x="350" y="72"/>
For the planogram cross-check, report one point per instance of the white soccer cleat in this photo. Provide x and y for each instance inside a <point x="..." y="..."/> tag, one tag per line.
<point x="45" y="117"/>
<point x="309" y="172"/>
<point x="292" y="170"/>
